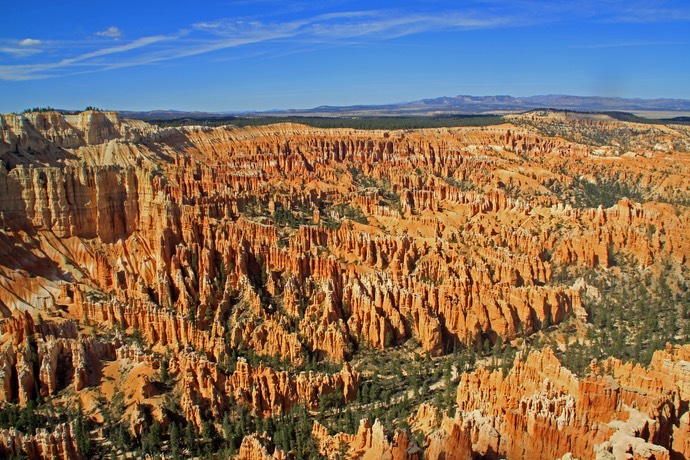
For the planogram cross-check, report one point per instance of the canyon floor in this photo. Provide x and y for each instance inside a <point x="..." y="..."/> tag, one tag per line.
<point x="516" y="290"/>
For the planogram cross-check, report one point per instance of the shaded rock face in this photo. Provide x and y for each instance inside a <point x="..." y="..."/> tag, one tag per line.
<point x="82" y="202"/>
<point x="223" y="249"/>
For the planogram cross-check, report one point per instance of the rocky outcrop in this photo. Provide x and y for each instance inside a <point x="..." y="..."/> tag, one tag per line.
<point x="205" y="385"/>
<point x="206" y="389"/>
<point x="269" y="339"/>
<point x="56" y="444"/>
<point x="369" y="443"/>
<point x="46" y="131"/>
<point x="450" y="442"/>
<point x="253" y="448"/>
<point x="540" y="409"/>
<point x="46" y="358"/>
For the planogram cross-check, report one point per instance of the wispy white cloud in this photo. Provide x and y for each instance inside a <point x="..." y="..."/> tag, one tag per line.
<point x="110" y="32"/>
<point x="335" y="27"/>
<point x="30" y="42"/>
<point x="382" y="24"/>
<point x="139" y="43"/>
<point x="21" y="48"/>
<point x="90" y="59"/>
<point x="19" y="52"/>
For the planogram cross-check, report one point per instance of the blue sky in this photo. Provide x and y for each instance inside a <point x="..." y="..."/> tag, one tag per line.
<point x="265" y="54"/>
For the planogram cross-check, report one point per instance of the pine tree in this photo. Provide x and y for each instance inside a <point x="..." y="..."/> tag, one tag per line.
<point x="190" y="438"/>
<point x="164" y="374"/>
<point x="151" y="441"/>
<point x="208" y="436"/>
<point x="228" y="437"/>
<point x="81" y="433"/>
<point x="174" y="435"/>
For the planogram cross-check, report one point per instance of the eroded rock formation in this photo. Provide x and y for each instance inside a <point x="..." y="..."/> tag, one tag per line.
<point x="242" y="261"/>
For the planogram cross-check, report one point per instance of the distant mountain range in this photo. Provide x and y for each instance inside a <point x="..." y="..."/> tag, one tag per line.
<point x="459" y="105"/>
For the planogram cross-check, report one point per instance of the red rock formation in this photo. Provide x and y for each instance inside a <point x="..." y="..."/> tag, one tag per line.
<point x="369" y="443"/>
<point x="205" y="387"/>
<point x="58" y="444"/>
<point x="297" y="244"/>
<point x="541" y="409"/>
<point x="450" y="442"/>
<point x="253" y="448"/>
<point x="217" y="171"/>
<point x="41" y="361"/>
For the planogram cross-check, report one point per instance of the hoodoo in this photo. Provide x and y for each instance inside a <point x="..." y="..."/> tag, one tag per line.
<point x="286" y="291"/>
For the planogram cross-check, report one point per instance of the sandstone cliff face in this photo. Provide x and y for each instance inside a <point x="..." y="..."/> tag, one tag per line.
<point x="46" y="131"/>
<point x="80" y="202"/>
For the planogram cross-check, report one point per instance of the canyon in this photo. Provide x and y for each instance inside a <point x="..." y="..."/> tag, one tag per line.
<point x="220" y="281"/>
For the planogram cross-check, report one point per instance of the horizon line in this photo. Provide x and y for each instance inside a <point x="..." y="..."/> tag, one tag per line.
<point x="372" y="106"/>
